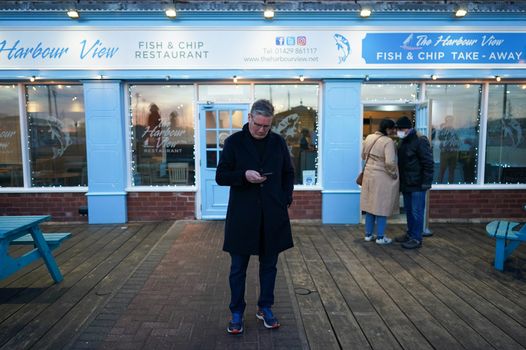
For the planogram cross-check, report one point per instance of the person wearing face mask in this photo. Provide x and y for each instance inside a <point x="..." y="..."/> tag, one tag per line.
<point x="415" y="165"/>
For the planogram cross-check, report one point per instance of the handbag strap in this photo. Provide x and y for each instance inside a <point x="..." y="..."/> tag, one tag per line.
<point x="370" y="149"/>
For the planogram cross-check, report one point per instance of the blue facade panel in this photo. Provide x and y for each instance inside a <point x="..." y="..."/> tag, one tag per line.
<point x="342" y="134"/>
<point x="106" y="152"/>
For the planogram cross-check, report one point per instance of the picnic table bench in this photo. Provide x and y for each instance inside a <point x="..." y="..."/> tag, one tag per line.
<point x="507" y="239"/>
<point x="25" y="230"/>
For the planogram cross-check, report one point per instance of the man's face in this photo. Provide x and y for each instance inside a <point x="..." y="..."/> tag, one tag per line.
<point x="259" y="125"/>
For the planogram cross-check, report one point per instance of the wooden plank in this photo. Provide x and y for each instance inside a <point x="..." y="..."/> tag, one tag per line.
<point x="507" y="300"/>
<point x="346" y="328"/>
<point x="74" y="319"/>
<point x="389" y="258"/>
<point x="435" y="334"/>
<point x="485" y="318"/>
<point x="79" y="282"/>
<point x="318" y="328"/>
<point x="18" y="250"/>
<point x="30" y="286"/>
<point x="479" y="251"/>
<point x="344" y="240"/>
<point x="376" y="331"/>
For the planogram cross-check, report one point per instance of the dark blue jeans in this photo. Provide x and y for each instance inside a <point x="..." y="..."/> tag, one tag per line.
<point x="414" y="204"/>
<point x="237" y="279"/>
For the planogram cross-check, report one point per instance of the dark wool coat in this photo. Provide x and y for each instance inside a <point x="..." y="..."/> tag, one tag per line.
<point x="415" y="163"/>
<point x="257" y="219"/>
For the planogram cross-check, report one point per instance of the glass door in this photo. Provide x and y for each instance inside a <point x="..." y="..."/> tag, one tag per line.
<point x="217" y="122"/>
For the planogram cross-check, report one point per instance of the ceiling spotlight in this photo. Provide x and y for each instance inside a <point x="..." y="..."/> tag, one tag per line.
<point x="461" y="12"/>
<point x="167" y="77"/>
<point x="268" y="13"/>
<point x="365" y="12"/>
<point x="170" y="13"/>
<point x="32" y="79"/>
<point x="434" y="77"/>
<point x="498" y="78"/>
<point x="302" y="78"/>
<point x="367" y="78"/>
<point x="73" y="14"/>
<point x="234" y="79"/>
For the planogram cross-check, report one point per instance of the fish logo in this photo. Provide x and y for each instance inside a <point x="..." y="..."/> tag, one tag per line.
<point x="343" y="46"/>
<point x="406" y="45"/>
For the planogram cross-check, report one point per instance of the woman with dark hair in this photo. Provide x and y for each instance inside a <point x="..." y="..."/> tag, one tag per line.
<point x="380" y="187"/>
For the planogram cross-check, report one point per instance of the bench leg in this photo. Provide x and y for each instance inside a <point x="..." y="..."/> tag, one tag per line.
<point x="44" y="250"/>
<point x="500" y="254"/>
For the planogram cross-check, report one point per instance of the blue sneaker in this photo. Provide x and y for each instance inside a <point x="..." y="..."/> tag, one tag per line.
<point x="235" y="325"/>
<point x="265" y="314"/>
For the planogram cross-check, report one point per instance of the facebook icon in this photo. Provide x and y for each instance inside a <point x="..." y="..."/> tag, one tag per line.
<point x="280" y="40"/>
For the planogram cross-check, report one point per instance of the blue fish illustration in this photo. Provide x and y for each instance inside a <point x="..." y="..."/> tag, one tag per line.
<point x="344" y="49"/>
<point x="406" y="44"/>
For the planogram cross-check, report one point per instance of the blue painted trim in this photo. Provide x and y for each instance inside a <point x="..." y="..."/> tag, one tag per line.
<point x="246" y="76"/>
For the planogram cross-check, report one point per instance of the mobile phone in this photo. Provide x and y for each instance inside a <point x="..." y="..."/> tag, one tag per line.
<point x="266" y="174"/>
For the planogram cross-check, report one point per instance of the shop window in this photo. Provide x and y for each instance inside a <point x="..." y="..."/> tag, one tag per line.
<point x="224" y="93"/>
<point x="506" y="134"/>
<point x="57" y="135"/>
<point x="10" y="151"/>
<point x="296" y="119"/>
<point x="394" y="93"/>
<point x="162" y="135"/>
<point x="455" y="131"/>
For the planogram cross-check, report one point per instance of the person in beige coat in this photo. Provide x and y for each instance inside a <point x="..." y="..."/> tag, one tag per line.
<point x="380" y="187"/>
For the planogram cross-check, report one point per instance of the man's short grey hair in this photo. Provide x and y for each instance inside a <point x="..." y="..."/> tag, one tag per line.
<point x="262" y="107"/>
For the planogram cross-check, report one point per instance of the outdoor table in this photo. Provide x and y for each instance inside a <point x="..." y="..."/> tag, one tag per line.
<point x="15" y="227"/>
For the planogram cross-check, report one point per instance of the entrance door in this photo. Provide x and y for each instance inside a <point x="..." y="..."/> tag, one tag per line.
<point x="423" y="125"/>
<point x="216" y="123"/>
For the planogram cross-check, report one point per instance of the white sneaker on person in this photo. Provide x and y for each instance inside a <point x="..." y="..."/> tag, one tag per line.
<point x="384" y="240"/>
<point x="369" y="238"/>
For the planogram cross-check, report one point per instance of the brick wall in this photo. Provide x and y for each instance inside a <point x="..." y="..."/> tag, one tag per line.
<point x="150" y="206"/>
<point x="306" y="205"/>
<point x="61" y="206"/>
<point x="484" y="205"/>
<point x="147" y="206"/>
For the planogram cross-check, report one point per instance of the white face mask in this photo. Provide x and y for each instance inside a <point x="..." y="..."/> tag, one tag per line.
<point x="400" y="134"/>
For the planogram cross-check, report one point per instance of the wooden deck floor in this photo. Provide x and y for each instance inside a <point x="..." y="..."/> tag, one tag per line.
<point x="346" y="293"/>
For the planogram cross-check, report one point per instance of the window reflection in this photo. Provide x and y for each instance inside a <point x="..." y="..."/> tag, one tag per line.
<point x="57" y="135"/>
<point x="296" y="119"/>
<point x="379" y="92"/>
<point x="506" y="133"/>
<point x="162" y="135"/>
<point x="455" y="131"/>
<point x="10" y="151"/>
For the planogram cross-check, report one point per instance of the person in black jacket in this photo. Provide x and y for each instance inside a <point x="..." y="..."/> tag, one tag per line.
<point x="415" y="165"/>
<point x="256" y="164"/>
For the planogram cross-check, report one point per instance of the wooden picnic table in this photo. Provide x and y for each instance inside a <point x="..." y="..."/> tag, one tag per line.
<point x="26" y="230"/>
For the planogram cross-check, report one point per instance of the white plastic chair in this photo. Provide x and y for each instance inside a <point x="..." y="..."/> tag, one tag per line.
<point x="178" y="173"/>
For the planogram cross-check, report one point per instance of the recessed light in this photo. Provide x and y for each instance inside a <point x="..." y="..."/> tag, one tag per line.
<point x="365" y="12"/>
<point x="170" y="13"/>
<point x="73" y="14"/>
<point x="268" y="13"/>
<point x="498" y="78"/>
<point x="461" y="12"/>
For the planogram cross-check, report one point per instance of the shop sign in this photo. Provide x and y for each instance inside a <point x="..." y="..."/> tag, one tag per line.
<point x="254" y="48"/>
<point x="445" y="48"/>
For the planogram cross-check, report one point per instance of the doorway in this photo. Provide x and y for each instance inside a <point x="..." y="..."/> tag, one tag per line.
<point x="372" y="116"/>
<point x="216" y="123"/>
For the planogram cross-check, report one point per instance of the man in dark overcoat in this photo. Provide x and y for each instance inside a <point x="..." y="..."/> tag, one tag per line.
<point x="256" y="164"/>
